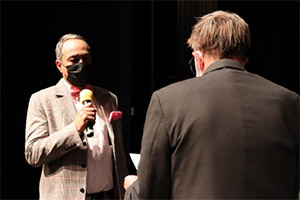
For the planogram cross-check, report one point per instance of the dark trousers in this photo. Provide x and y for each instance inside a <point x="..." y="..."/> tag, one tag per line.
<point x="100" y="195"/>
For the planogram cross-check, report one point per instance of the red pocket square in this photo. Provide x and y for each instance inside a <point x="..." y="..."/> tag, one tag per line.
<point x="115" y="115"/>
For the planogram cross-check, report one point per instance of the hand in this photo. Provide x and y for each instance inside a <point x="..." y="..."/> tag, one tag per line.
<point x="84" y="115"/>
<point x="128" y="180"/>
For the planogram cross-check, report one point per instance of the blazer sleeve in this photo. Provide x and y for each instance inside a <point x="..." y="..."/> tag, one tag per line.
<point x="154" y="171"/>
<point x="41" y="147"/>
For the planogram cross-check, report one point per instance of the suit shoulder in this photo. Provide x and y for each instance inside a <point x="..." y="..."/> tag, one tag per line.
<point x="279" y="89"/>
<point x="43" y="92"/>
<point x="41" y="97"/>
<point x="177" y="87"/>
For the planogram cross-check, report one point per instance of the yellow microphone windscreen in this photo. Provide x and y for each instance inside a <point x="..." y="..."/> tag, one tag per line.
<point x="85" y="95"/>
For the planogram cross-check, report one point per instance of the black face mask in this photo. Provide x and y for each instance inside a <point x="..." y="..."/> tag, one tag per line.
<point x="79" y="74"/>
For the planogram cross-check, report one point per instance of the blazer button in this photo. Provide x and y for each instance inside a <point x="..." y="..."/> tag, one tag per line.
<point x="82" y="190"/>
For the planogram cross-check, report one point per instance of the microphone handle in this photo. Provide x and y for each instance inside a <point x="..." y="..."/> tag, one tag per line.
<point x="89" y="129"/>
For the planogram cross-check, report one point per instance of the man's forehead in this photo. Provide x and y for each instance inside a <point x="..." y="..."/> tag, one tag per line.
<point x="78" y="54"/>
<point x="74" y="44"/>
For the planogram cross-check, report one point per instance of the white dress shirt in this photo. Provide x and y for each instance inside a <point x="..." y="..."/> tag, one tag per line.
<point x="99" y="154"/>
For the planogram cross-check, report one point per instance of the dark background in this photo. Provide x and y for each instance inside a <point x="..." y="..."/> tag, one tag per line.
<point x="137" y="46"/>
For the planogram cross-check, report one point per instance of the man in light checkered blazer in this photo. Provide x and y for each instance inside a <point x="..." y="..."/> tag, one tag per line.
<point x="75" y="166"/>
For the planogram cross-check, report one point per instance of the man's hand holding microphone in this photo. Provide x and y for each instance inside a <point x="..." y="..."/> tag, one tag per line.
<point x="85" y="117"/>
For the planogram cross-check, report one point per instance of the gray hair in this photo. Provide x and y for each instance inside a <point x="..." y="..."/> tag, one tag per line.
<point x="63" y="39"/>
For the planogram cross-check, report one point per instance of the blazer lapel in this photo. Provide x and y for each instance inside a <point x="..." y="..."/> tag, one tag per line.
<point x="109" y="128"/>
<point x="65" y="102"/>
<point x="96" y="98"/>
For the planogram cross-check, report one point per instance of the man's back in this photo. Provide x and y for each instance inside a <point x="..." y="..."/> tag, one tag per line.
<point x="232" y="134"/>
<point x="228" y="134"/>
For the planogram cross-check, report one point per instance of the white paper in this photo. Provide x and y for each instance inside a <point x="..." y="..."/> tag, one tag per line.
<point x="135" y="157"/>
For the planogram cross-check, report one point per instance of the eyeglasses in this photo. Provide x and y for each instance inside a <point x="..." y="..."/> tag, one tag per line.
<point x="192" y="65"/>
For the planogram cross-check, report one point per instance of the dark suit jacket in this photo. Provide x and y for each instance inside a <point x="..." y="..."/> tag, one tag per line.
<point x="53" y="142"/>
<point x="229" y="134"/>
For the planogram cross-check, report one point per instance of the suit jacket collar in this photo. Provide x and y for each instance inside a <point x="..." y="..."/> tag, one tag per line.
<point x="60" y="89"/>
<point x="65" y="100"/>
<point x="224" y="63"/>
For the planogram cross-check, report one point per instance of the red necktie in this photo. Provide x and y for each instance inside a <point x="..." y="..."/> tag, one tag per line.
<point x="75" y="90"/>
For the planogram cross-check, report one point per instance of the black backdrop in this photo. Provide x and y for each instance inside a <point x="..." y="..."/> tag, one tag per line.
<point x="135" y="46"/>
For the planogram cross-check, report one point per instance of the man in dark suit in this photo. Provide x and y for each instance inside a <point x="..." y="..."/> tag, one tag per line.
<point x="226" y="134"/>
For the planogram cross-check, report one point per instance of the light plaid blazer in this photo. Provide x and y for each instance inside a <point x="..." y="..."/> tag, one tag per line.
<point x="53" y="142"/>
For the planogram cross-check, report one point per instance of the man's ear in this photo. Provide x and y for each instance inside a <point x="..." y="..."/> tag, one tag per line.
<point x="199" y="58"/>
<point x="58" y="65"/>
<point x="245" y="61"/>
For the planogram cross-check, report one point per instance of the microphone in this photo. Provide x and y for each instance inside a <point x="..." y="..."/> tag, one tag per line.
<point x="86" y="97"/>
